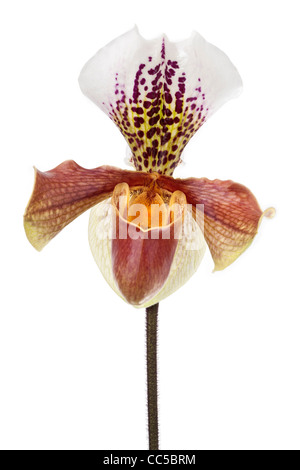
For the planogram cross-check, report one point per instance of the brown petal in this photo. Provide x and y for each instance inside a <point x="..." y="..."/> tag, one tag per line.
<point x="62" y="194"/>
<point x="231" y="214"/>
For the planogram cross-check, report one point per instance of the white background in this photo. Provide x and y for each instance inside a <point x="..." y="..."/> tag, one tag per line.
<point x="72" y="354"/>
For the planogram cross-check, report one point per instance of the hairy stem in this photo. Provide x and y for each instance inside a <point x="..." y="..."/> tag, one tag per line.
<point x="151" y="331"/>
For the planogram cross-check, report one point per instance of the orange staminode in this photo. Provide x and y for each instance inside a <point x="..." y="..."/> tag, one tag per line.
<point x="148" y="208"/>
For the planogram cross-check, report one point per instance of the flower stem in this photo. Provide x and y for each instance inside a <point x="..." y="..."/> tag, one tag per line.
<point x="151" y="331"/>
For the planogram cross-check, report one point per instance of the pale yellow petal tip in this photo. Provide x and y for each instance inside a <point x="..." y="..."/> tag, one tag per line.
<point x="230" y="258"/>
<point x="220" y="265"/>
<point x="32" y="237"/>
<point x="223" y="265"/>
<point x="269" y="213"/>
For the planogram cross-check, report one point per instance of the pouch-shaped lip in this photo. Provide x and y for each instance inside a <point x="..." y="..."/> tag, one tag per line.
<point x="142" y="258"/>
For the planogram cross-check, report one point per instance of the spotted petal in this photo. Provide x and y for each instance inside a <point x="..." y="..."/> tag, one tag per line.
<point x="62" y="194"/>
<point x="227" y="213"/>
<point x="159" y="92"/>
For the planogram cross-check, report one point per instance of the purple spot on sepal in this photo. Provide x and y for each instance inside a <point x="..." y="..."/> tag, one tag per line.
<point x="154" y="120"/>
<point x="165" y="138"/>
<point x="151" y="95"/>
<point x="169" y="81"/>
<point x="167" y="121"/>
<point x="168" y="98"/>
<point x="170" y="73"/>
<point x="153" y="111"/>
<point x="178" y="106"/>
<point x="163" y="50"/>
<point x="139" y="110"/>
<point x="151" y="132"/>
<point x="173" y="64"/>
<point x="155" y="70"/>
<point x="162" y="153"/>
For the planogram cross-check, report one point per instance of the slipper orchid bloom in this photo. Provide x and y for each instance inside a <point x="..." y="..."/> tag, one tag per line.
<point x="158" y="93"/>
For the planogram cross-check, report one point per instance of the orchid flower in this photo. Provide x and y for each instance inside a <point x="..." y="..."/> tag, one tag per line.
<point x="158" y="93"/>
